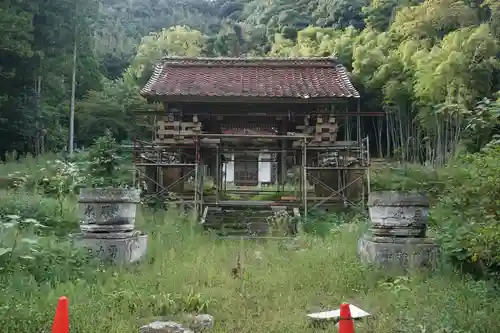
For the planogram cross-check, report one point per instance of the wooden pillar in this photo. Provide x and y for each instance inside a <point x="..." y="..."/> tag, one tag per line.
<point x="283" y="156"/>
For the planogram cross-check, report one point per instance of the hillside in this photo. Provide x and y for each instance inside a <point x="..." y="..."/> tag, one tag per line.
<point x="433" y="68"/>
<point x="408" y="58"/>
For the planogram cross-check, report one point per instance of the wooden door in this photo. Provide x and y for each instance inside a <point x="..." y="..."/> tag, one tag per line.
<point x="246" y="170"/>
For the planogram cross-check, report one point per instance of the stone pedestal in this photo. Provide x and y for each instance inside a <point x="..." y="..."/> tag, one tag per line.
<point x="391" y="252"/>
<point x="105" y="210"/>
<point x="397" y="236"/>
<point x="107" y="221"/>
<point x="117" y="248"/>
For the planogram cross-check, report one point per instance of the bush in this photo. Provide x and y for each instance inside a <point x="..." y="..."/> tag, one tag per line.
<point x="59" y="261"/>
<point x="24" y="253"/>
<point x="24" y="172"/>
<point x="467" y="214"/>
<point x="61" y="179"/>
<point x="105" y="162"/>
<point x="323" y="224"/>
<point x="410" y="177"/>
<point x="43" y="209"/>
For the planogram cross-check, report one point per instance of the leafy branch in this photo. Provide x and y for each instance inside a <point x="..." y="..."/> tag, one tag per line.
<point x="104" y="162"/>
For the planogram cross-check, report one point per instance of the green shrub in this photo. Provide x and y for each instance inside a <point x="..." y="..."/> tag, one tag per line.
<point x="24" y="172"/>
<point x="59" y="261"/>
<point x="25" y="253"/>
<point x="105" y="162"/>
<point x="410" y="177"/>
<point x="467" y="213"/>
<point x="61" y="179"/>
<point x="18" y="242"/>
<point x="322" y="224"/>
<point x="43" y="209"/>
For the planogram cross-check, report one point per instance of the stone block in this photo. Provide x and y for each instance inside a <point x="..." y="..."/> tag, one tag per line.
<point x="398" y="214"/>
<point x="108" y="209"/>
<point x="200" y="323"/>
<point x="117" y="248"/>
<point x="390" y="252"/>
<point x="164" y="327"/>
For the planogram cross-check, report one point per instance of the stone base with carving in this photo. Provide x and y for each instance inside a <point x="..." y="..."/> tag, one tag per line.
<point x="119" y="248"/>
<point x="391" y="252"/>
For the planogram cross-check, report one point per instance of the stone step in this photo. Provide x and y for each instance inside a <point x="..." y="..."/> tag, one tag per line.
<point x="238" y="221"/>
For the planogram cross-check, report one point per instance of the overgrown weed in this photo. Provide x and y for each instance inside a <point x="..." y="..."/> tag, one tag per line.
<point x="187" y="271"/>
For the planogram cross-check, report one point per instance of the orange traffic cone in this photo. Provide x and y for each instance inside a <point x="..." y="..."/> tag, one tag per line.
<point x="61" y="318"/>
<point x="346" y="324"/>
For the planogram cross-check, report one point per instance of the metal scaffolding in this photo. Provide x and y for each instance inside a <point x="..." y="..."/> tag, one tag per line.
<point x="347" y="158"/>
<point x="355" y="158"/>
<point x="152" y="162"/>
<point x="161" y="158"/>
<point x="192" y="153"/>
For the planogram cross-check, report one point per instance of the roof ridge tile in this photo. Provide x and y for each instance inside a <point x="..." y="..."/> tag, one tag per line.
<point x="263" y="77"/>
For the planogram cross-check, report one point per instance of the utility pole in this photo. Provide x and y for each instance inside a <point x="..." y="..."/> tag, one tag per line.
<point x="71" y="134"/>
<point x="39" y="134"/>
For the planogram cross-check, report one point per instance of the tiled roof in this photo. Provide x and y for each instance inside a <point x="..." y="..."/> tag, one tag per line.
<point x="250" y="77"/>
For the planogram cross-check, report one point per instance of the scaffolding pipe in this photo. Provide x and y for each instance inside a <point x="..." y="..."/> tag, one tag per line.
<point x="255" y="136"/>
<point x="358" y="122"/>
<point x="368" y="172"/>
<point x="217" y="174"/>
<point x="196" y="176"/>
<point x="173" y="165"/>
<point x="304" y="173"/>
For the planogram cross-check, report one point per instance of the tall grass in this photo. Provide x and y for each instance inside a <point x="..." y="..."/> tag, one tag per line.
<point x="186" y="270"/>
<point x="278" y="288"/>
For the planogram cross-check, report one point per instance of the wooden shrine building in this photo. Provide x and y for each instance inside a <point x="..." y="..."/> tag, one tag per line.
<point x="251" y="125"/>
